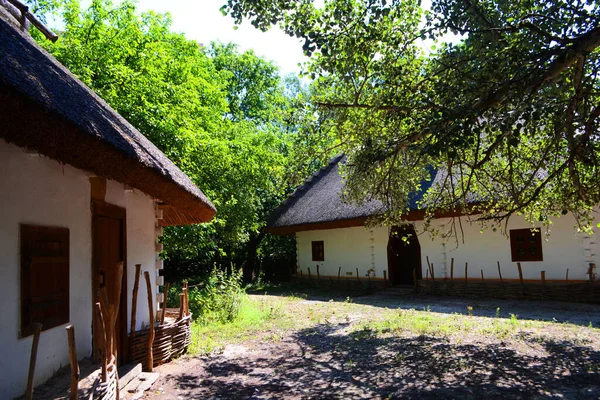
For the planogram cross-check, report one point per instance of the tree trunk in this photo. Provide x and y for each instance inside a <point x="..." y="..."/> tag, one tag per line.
<point x="250" y="265"/>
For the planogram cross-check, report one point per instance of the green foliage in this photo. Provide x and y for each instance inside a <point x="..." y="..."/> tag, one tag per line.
<point x="510" y="109"/>
<point x="243" y="134"/>
<point x="217" y="299"/>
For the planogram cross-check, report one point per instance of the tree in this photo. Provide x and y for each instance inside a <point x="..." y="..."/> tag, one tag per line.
<point x="510" y="112"/>
<point x="224" y="117"/>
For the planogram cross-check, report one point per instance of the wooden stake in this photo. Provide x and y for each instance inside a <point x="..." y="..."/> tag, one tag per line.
<point x="340" y="272"/>
<point x="102" y="339"/>
<point x="432" y="273"/>
<point x="520" y="273"/>
<point x="32" y="359"/>
<point x="181" y="305"/>
<point x="136" y="285"/>
<point x="466" y="271"/>
<point x="118" y="284"/>
<point x="73" y="361"/>
<point x="482" y="276"/>
<point x="385" y="282"/>
<point x="164" y="307"/>
<point x="427" y="274"/>
<point x="452" y="269"/>
<point x="499" y="272"/>
<point x="300" y="274"/>
<point x="567" y="277"/>
<point x="318" y="273"/>
<point x="429" y="267"/>
<point x="152" y="317"/>
<point x="357" y="277"/>
<point x="309" y="276"/>
<point x="543" y="274"/>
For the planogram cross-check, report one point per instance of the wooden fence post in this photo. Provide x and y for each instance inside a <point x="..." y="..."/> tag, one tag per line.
<point x="543" y="274"/>
<point x="499" y="272"/>
<point x="136" y="285"/>
<point x="520" y="273"/>
<point x="357" y="277"/>
<point x="340" y="272"/>
<point x="164" y="306"/>
<point x="318" y="273"/>
<point x="152" y="318"/>
<point x="73" y="361"/>
<point x="466" y="272"/>
<point x="103" y="341"/>
<point x="482" y="280"/>
<point x="452" y="269"/>
<point x="32" y="359"/>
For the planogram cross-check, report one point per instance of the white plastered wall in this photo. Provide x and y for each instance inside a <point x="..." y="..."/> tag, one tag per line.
<point x="40" y="191"/>
<point x="349" y="248"/>
<point x="482" y="249"/>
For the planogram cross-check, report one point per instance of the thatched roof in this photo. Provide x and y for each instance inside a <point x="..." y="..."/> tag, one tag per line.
<point x="45" y="108"/>
<point x="318" y="203"/>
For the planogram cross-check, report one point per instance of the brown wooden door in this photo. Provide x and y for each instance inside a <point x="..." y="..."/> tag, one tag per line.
<point x="404" y="256"/>
<point x="109" y="248"/>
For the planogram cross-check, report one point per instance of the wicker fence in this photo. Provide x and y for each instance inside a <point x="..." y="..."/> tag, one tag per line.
<point x="588" y="292"/>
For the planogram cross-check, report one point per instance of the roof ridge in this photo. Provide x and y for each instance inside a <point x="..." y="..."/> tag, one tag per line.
<point x="303" y="188"/>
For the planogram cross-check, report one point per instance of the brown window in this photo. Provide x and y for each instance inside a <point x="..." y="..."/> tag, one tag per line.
<point x="526" y="245"/>
<point x="44" y="277"/>
<point x="318" y="250"/>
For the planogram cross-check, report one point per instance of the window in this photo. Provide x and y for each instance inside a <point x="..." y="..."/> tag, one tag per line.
<point x="44" y="277"/>
<point x="526" y="245"/>
<point x="318" y="250"/>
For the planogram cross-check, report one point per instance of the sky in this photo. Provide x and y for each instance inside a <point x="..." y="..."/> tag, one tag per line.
<point x="201" y="20"/>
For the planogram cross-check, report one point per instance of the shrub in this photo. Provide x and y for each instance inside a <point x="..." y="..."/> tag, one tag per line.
<point x="217" y="299"/>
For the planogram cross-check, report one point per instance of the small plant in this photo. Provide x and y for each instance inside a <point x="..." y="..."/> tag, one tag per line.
<point x="513" y="319"/>
<point x="470" y="311"/>
<point x="498" y="312"/>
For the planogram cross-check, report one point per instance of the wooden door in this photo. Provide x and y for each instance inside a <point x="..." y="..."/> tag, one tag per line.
<point x="109" y="248"/>
<point x="404" y="256"/>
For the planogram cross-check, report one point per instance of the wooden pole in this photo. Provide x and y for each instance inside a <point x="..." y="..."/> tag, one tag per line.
<point x="543" y="274"/>
<point x="73" y="361"/>
<point x="309" y="276"/>
<point x="567" y="277"/>
<point x="136" y="285"/>
<point x="164" y="307"/>
<point x="520" y="272"/>
<point x="452" y="269"/>
<point x="499" y="272"/>
<point x="118" y="284"/>
<point x="427" y="274"/>
<point x="318" y="272"/>
<point x="340" y="272"/>
<point x="152" y="317"/>
<point x="430" y="267"/>
<point x="32" y="359"/>
<point x="466" y="271"/>
<point x="482" y="276"/>
<point x="181" y="305"/>
<point x="102" y="339"/>
<point x="300" y="274"/>
<point x="432" y="272"/>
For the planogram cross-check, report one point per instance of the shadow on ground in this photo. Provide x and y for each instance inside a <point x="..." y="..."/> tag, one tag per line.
<point x="325" y="362"/>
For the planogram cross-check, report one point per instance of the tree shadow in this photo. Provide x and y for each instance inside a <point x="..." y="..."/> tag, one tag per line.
<point x="328" y="362"/>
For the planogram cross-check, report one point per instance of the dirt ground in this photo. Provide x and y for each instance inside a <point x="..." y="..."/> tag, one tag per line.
<point x="342" y="357"/>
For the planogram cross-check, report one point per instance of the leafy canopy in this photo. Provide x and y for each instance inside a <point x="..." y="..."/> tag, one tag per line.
<point x="509" y="114"/>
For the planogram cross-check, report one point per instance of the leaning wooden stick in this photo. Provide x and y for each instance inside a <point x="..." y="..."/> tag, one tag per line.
<point x="151" y="315"/>
<point x="520" y="272"/>
<point x="309" y="276"/>
<point x="567" y="276"/>
<point x="181" y="305"/>
<point x="117" y="303"/>
<point x="318" y="273"/>
<point x="357" y="277"/>
<point x="136" y="286"/>
<point x="340" y="272"/>
<point x="74" y="364"/>
<point x="164" y="307"/>
<point x="499" y="272"/>
<point x="482" y="276"/>
<point x="466" y="271"/>
<point x="102" y="340"/>
<point x="32" y="359"/>
<point x="452" y="268"/>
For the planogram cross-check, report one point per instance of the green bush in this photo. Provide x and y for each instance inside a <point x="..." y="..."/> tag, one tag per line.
<point x="217" y="299"/>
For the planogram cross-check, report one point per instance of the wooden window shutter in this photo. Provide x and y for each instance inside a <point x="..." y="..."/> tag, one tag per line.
<point x="526" y="245"/>
<point x="44" y="277"/>
<point x="318" y="250"/>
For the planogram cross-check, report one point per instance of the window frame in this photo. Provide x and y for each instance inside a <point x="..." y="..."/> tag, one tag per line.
<point x="318" y="250"/>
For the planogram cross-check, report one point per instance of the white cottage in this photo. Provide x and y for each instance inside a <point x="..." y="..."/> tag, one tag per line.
<point x="81" y="190"/>
<point x="331" y="236"/>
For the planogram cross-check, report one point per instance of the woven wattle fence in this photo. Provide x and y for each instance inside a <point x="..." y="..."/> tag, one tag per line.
<point x="587" y="292"/>
<point x="170" y="341"/>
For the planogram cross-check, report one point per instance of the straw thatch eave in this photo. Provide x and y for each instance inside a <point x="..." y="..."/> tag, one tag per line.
<point x="45" y="108"/>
